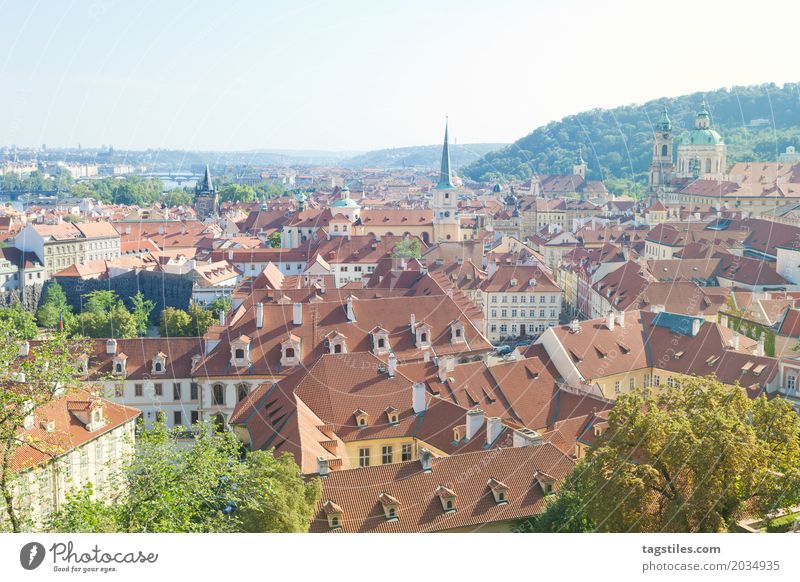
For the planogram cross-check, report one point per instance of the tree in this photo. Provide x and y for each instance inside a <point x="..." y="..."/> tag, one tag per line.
<point x="201" y="320"/>
<point x="142" y="308"/>
<point x="566" y="512"/>
<point x="275" y="240"/>
<point x="236" y="193"/>
<point x="54" y="306"/>
<point x="272" y="495"/>
<point x="21" y="320"/>
<point x="49" y="372"/>
<point x="691" y="459"/>
<point x="104" y="315"/>
<point x="408" y="248"/>
<point x="212" y="486"/>
<point x="178" y="197"/>
<point x="220" y="304"/>
<point x="174" y="323"/>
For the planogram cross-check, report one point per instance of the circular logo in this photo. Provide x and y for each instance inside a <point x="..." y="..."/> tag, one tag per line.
<point x="31" y="555"/>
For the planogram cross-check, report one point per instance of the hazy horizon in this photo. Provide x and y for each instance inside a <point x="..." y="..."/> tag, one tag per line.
<point x="358" y="76"/>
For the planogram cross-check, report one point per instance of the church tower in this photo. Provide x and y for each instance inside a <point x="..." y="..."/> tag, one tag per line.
<point x="579" y="167"/>
<point x="661" y="166"/>
<point x="445" y="200"/>
<point x="702" y="152"/>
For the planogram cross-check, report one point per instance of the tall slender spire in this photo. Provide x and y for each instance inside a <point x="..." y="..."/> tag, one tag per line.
<point x="445" y="178"/>
<point x="205" y="184"/>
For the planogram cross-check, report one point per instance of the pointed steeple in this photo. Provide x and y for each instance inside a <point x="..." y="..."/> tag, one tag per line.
<point x="664" y="123"/>
<point x="205" y="184"/>
<point x="445" y="178"/>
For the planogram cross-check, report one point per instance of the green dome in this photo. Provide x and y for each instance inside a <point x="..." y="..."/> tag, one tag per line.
<point x="345" y="203"/>
<point x="701" y="137"/>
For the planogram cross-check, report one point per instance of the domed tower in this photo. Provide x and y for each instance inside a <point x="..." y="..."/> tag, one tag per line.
<point x="661" y="166"/>
<point x="346" y="205"/>
<point x="579" y="167"/>
<point x="702" y="152"/>
<point x="445" y="200"/>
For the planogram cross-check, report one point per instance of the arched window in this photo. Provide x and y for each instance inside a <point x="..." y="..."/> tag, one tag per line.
<point x="119" y="368"/>
<point x="218" y="394"/>
<point x="241" y="392"/>
<point x="708" y="165"/>
<point x="664" y="150"/>
<point x="289" y="352"/>
<point x="423" y="337"/>
<point x="158" y="366"/>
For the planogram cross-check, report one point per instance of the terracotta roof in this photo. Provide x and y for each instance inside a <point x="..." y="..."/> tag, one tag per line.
<point x="420" y="509"/>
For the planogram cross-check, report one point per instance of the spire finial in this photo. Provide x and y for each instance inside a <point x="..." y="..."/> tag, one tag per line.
<point x="445" y="177"/>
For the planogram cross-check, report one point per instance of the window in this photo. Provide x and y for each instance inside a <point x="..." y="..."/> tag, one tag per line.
<point x="381" y="343"/>
<point x="118" y="368"/>
<point x="158" y="367"/>
<point x="449" y="504"/>
<point x="552" y="299"/>
<point x="541" y="313"/>
<point x="664" y="150"/>
<point x="119" y="390"/>
<point x="656" y="380"/>
<point x="289" y="352"/>
<point x="137" y="390"/>
<point x="632" y="383"/>
<point x="423" y="337"/>
<point x="791" y="382"/>
<point x="363" y="457"/>
<point x="513" y="299"/>
<point x="241" y="392"/>
<point x="542" y="299"/>
<point x="239" y="355"/>
<point x="494" y="298"/>
<point x="337" y="349"/>
<point x="405" y="452"/>
<point x="386" y="454"/>
<point x="504" y="313"/>
<point x="176" y="418"/>
<point x="176" y="391"/>
<point x="617" y="388"/>
<point x="195" y="416"/>
<point x="159" y="389"/>
<point x="193" y="391"/>
<point x="218" y="394"/>
<point x="494" y="313"/>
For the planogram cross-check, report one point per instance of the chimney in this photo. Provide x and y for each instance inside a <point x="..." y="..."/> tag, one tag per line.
<point x="418" y="398"/>
<point x="474" y="422"/>
<point x="735" y="341"/>
<point x="494" y="426"/>
<point x="610" y="320"/>
<point x="697" y="323"/>
<point x="259" y="315"/>
<point x="111" y="346"/>
<point x="230" y="255"/>
<point x="392" y="365"/>
<point x="413" y="320"/>
<point x="760" y="346"/>
<point x="425" y="459"/>
<point x="621" y="318"/>
<point x="444" y="368"/>
<point x="351" y="314"/>
<point x="221" y="317"/>
<point x="526" y="437"/>
<point x="297" y="314"/>
<point x="322" y="467"/>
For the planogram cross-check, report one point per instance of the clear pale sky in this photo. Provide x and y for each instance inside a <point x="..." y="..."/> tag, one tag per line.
<point x="350" y="75"/>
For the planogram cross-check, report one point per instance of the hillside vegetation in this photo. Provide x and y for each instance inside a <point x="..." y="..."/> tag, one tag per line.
<point x="421" y="156"/>
<point x="757" y="122"/>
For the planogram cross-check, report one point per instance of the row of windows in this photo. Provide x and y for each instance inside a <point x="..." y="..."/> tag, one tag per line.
<point x="522" y="312"/>
<point x="387" y="454"/>
<point x="516" y="329"/>
<point x="158" y="389"/>
<point x="523" y="298"/>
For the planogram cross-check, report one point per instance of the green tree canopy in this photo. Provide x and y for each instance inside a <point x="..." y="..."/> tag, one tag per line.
<point x="692" y="459"/>
<point x="23" y="321"/>
<point x="104" y="315"/>
<point x="53" y="306"/>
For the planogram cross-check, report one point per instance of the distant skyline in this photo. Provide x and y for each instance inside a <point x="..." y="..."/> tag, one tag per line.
<point x="360" y="75"/>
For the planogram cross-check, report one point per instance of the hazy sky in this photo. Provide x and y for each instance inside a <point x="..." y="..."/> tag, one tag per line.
<point x="349" y="75"/>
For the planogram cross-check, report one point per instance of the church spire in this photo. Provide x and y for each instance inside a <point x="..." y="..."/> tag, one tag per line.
<point x="445" y="178"/>
<point x="205" y="184"/>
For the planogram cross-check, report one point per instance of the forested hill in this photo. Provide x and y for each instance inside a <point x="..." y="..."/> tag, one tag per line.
<point x="429" y="156"/>
<point x="757" y="122"/>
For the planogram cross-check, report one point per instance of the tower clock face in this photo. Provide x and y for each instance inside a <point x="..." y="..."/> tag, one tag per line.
<point x="665" y="135"/>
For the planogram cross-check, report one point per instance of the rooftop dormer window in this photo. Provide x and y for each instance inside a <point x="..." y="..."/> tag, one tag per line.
<point x="159" y="363"/>
<point x="447" y="498"/>
<point x="380" y="341"/>
<point x="422" y="335"/>
<point x="334" y="514"/>
<point x="392" y="415"/>
<point x="390" y="506"/>
<point x="119" y="364"/>
<point x="240" y="351"/>
<point x="290" y="351"/>
<point x="336" y="343"/>
<point x="456" y="332"/>
<point x="546" y="482"/>
<point x="362" y="418"/>
<point x="499" y="491"/>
